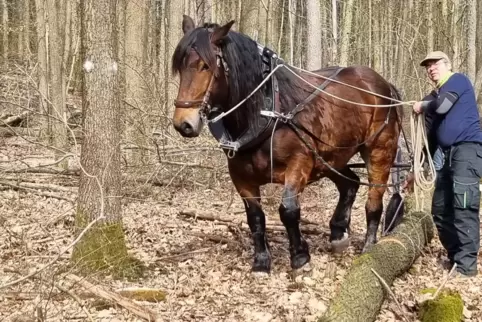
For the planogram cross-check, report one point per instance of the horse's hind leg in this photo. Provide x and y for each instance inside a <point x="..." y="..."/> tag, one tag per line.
<point x="340" y="221"/>
<point x="379" y="162"/>
<point x="289" y="210"/>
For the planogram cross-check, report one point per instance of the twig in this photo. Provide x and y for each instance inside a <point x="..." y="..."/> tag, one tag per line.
<point x="444" y="282"/>
<point x="387" y="288"/>
<point x="270" y="226"/>
<point x="76" y="299"/>
<point x="101" y="292"/>
<point x="194" y="252"/>
<point x="214" y="238"/>
<point x="35" y="272"/>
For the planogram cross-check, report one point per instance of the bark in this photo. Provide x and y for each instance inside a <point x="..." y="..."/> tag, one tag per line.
<point x="173" y="33"/>
<point x="57" y="109"/>
<point x="135" y="58"/>
<point x="4" y="31"/>
<point x="334" y="22"/>
<point x="314" y="35"/>
<point x="103" y="247"/>
<point x="23" y="43"/>
<point x="471" y="39"/>
<point x="362" y="294"/>
<point x="346" y="33"/>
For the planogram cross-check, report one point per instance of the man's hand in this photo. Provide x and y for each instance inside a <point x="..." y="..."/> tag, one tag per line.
<point x="417" y="107"/>
<point x="407" y="185"/>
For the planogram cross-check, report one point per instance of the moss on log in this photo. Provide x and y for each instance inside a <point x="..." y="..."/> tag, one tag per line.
<point x="447" y="307"/>
<point x="361" y="294"/>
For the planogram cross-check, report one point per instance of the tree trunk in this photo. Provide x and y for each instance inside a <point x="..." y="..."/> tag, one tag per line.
<point x="173" y="34"/>
<point x="102" y="247"/>
<point x="42" y="57"/>
<point x="135" y="52"/>
<point x="4" y="31"/>
<point x="362" y="294"/>
<point x="334" y="26"/>
<point x="346" y="33"/>
<point x="471" y="39"/>
<point x="57" y="109"/>
<point x="24" y="39"/>
<point x="313" y="25"/>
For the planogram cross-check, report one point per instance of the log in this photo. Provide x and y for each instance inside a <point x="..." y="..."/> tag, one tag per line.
<point x="362" y="293"/>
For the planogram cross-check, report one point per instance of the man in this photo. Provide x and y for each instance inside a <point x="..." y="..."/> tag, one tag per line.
<point x="453" y="125"/>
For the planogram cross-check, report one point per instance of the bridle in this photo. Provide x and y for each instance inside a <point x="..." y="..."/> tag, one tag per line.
<point x="204" y="104"/>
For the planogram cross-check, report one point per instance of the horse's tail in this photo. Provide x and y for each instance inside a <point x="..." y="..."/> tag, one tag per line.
<point x="395" y="208"/>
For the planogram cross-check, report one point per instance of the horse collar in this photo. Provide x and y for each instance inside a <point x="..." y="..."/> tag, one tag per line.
<point x="254" y="134"/>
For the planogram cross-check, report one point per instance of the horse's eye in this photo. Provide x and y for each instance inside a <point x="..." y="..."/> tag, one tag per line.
<point x="204" y="66"/>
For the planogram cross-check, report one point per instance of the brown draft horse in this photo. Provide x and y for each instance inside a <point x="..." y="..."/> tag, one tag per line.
<point x="219" y="68"/>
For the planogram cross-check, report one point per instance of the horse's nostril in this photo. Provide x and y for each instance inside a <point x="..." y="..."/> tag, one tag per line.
<point x="186" y="128"/>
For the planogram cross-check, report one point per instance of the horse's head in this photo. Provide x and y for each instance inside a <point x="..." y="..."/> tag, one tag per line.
<point x="202" y="70"/>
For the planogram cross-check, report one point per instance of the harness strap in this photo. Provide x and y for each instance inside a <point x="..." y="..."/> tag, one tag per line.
<point x="298" y="108"/>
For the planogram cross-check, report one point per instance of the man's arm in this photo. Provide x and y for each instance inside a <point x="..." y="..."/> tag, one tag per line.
<point x="442" y="104"/>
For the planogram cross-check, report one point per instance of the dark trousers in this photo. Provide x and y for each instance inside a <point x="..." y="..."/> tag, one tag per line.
<point x="455" y="205"/>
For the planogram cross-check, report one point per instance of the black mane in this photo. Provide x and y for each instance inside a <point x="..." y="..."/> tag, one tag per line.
<point x="245" y="72"/>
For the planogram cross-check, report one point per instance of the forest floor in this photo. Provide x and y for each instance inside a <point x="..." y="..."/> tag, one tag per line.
<point x="202" y="265"/>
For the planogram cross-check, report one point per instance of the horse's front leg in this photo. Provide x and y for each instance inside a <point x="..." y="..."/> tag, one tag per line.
<point x="257" y="224"/>
<point x="290" y="215"/>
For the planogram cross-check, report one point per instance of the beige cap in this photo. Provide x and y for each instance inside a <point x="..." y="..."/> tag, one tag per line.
<point x="434" y="55"/>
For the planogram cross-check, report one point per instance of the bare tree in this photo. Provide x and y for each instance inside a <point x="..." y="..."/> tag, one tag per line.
<point x="5" y="30"/>
<point x="42" y="56"/>
<point x="135" y="61"/>
<point x="346" y="32"/>
<point x="313" y="25"/>
<point x="471" y="39"/>
<point x="103" y="247"/>
<point x="57" y="110"/>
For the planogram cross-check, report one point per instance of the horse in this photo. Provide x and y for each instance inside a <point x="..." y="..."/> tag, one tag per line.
<point x="274" y="127"/>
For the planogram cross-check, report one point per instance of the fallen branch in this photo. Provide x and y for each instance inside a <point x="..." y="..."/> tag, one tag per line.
<point x="270" y="226"/>
<point x="214" y="238"/>
<point x="6" y="132"/>
<point x="14" y="120"/>
<point x="40" y="186"/>
<point x="362" y="294"/>
<point x="76" y="299"/>
<point x="42" y="169"/>
<point x="101" y="292"/>
<point x="186" y="254"/>
<point x="35" y="192"/>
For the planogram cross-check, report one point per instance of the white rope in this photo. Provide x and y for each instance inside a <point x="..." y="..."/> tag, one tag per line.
<point x="220" y="116"/>
<point x="348" y="85"/>
<point x="419" y="140"/>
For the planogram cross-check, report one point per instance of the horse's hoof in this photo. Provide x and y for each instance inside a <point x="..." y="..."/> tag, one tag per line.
<point x="300" y="260"/>
<point x="259" y="274"/>
<point x="339" y="246"/>
<point x="262" y="264"/>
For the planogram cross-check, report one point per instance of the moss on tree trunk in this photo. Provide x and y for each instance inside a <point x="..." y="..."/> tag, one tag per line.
<point x="103" y="250"/>
<point x="362" y="294"/>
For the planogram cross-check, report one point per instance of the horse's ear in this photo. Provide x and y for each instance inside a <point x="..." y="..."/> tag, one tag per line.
<point x="221" y="32"/>
<point x="187" y="24"/>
